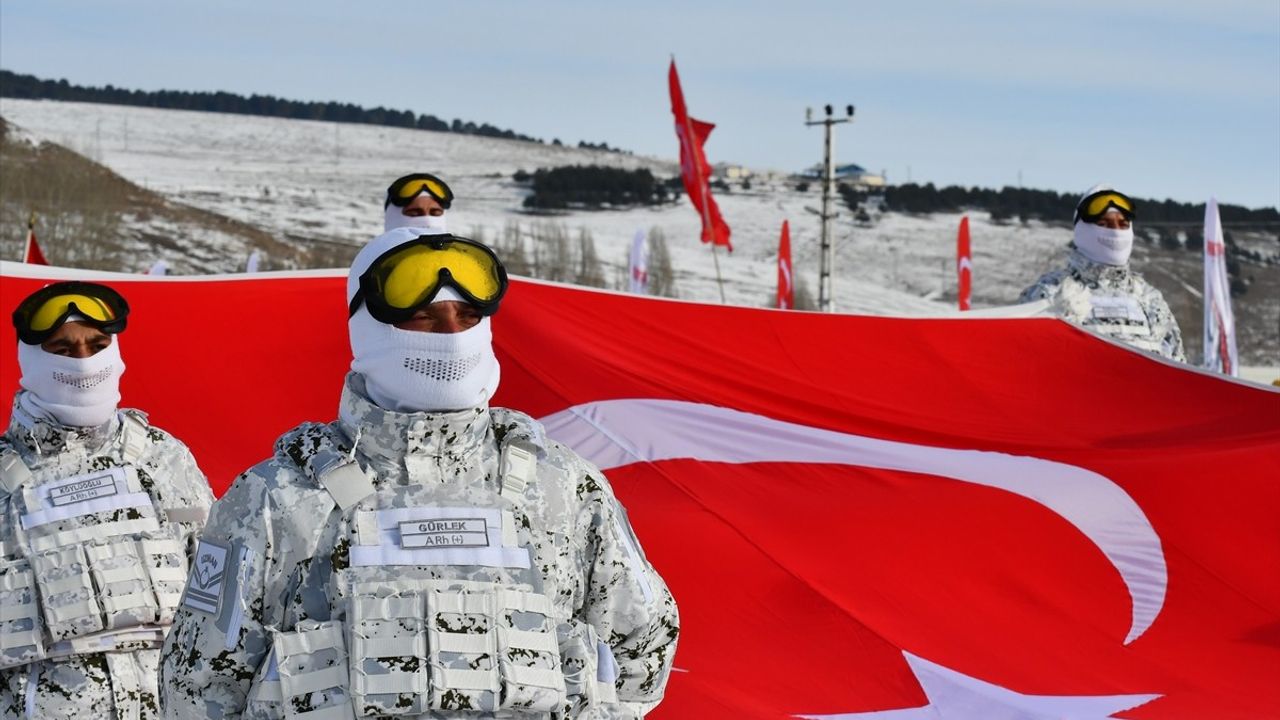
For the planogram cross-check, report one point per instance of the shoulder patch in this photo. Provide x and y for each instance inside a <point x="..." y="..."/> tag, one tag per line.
<point x="208" y="578"/>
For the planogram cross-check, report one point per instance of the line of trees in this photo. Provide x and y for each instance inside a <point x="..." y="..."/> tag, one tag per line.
<point x="1024" y="204"/>
<point x="592" y="186"/>
<point x="30" y="87"/>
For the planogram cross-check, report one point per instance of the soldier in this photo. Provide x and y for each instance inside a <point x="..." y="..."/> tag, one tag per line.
<point x="417" y="200"/>
<point x="98" y="515"/>
<point x="1098" y="291"/>
<point x="425" y="554"/>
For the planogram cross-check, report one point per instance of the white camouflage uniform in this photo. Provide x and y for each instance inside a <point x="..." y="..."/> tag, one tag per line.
<point x="96" y="528"/>
<point x="1110" y="300"/>
<point x="430" y="565"/>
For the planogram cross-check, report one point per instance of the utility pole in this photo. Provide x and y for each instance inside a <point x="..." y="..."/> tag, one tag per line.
<point x="826" y="303"/>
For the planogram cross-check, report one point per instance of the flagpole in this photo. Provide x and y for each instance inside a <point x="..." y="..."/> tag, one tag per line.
<point x="26" y="246"/>
<point x="715" y="258"/>
<point x="702" y="188"/>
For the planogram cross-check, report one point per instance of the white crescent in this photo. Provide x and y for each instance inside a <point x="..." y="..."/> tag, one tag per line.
<point x="614" y="433"/>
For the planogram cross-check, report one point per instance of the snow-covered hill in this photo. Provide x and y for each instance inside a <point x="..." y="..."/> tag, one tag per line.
<point x="307" y="181"/>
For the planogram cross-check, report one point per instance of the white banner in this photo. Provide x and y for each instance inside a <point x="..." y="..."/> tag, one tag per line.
<point x="1219" y="323"/>
<point x="639" y="264"/>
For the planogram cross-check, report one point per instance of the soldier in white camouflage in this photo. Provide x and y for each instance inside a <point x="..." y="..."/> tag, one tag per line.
<point x="1097" y="289"/>
<point x="98" y="515"/>
<point x="424" y="555"/>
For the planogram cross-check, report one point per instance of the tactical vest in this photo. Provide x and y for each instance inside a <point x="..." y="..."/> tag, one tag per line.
<point x="439" y="606"/>
<point x="1114" y="313"/>
<point x="97" y="564"/>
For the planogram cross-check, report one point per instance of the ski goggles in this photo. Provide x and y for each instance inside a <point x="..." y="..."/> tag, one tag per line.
<point x="1098" y="204"/>
<point x="40" y="315"/>
<point x="403" y="191"/>
<point x="408" y="276"/>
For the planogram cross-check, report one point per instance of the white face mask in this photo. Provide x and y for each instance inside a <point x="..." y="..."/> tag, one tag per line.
<point x="394" y="217"/>
<point x="1104" y="245"/>
<point x="77" y="392"/>
<point x="411" y="371"/>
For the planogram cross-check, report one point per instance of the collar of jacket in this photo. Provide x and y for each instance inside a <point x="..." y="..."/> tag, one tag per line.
<point x="382" y="433"/>
<point x="43" y="435"/>
<point x="1094" y="273"/>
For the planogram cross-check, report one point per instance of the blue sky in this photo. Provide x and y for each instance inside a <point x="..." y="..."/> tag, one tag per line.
<point x="1163" y="99"/>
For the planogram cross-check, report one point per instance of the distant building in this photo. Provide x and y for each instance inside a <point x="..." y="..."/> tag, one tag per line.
<point x="725" y="171"/>
<point x="850" y="174"/>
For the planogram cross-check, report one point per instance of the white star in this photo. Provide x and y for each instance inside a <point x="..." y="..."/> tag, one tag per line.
<point x="956" y="696"/>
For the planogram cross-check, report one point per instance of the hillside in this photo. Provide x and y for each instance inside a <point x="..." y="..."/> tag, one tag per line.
<point x="90" y="217"/>
<point x="315" y="189"/>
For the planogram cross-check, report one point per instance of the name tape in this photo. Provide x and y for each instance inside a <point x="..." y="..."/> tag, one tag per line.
<point x="444" y="532"/>
<point x="93" y="486"/>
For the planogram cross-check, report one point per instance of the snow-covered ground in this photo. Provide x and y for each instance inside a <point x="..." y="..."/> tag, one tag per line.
<point x="304" y="178"/>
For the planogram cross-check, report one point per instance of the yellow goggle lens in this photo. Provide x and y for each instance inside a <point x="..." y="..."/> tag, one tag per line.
<point x="413" y="187"/>
<point x="415" y="273"/>
<point x="53" y="308"/>
<point x="1098" y="205"/>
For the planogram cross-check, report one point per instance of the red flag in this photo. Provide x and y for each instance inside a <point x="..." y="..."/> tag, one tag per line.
<point x="895" y="532"/>
<point x="964" y="264"/>
<point x="31" y="254"/>
<point x="694" y="167"/>
<point x="786" y="288"/>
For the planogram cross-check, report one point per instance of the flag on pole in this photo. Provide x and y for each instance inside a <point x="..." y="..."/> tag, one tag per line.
<point x="639" y="264"/>
<point x="694" y="167"/>
<point x="1219" y="323"/>
<point x="964" y="264"/>
<point x="786" y="284"/>
<point x="32" y="254"/>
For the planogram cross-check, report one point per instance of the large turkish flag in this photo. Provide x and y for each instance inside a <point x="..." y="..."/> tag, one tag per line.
<point x="859" y="517"/>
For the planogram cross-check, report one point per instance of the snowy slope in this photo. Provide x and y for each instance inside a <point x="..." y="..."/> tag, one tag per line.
<point x="307" y="181"/>
<point x="306" y="178"/>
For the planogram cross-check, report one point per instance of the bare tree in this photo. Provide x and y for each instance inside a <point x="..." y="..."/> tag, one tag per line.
<point x="803" y="297"/>
<point x="662" y="277"/>
<point x="555" y="259"/>
<point x="510" y="247"/>
<point x="590" y="270"/>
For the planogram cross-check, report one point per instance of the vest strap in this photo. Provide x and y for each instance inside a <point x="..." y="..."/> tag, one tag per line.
<point x="14" y="473"/>
<point x="347" y="484"/>
<point x="134" y="435"/>
<point x="519" y="466"/>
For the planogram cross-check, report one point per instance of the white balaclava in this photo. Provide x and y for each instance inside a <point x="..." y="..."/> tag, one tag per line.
<point x="1106" y="246"/>
<point x="77" y="392"/>
<point x="413" y="371"/>
<point x="394" y="217"/>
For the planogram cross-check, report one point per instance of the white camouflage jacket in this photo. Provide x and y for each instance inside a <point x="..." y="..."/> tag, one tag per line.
<point x="1110" y="300"/>
<point x="430" y="565"/>
<point x="96" y="528"/>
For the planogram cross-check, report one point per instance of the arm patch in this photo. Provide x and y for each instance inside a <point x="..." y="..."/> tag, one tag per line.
<point x="208" y="578"/>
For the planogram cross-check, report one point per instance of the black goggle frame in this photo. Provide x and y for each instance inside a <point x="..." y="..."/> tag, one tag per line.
<point x="22" y="315"/>
<point x="369" y="294"/>
<point x="393" y="192"/>
<point x="1081" y="213"/>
